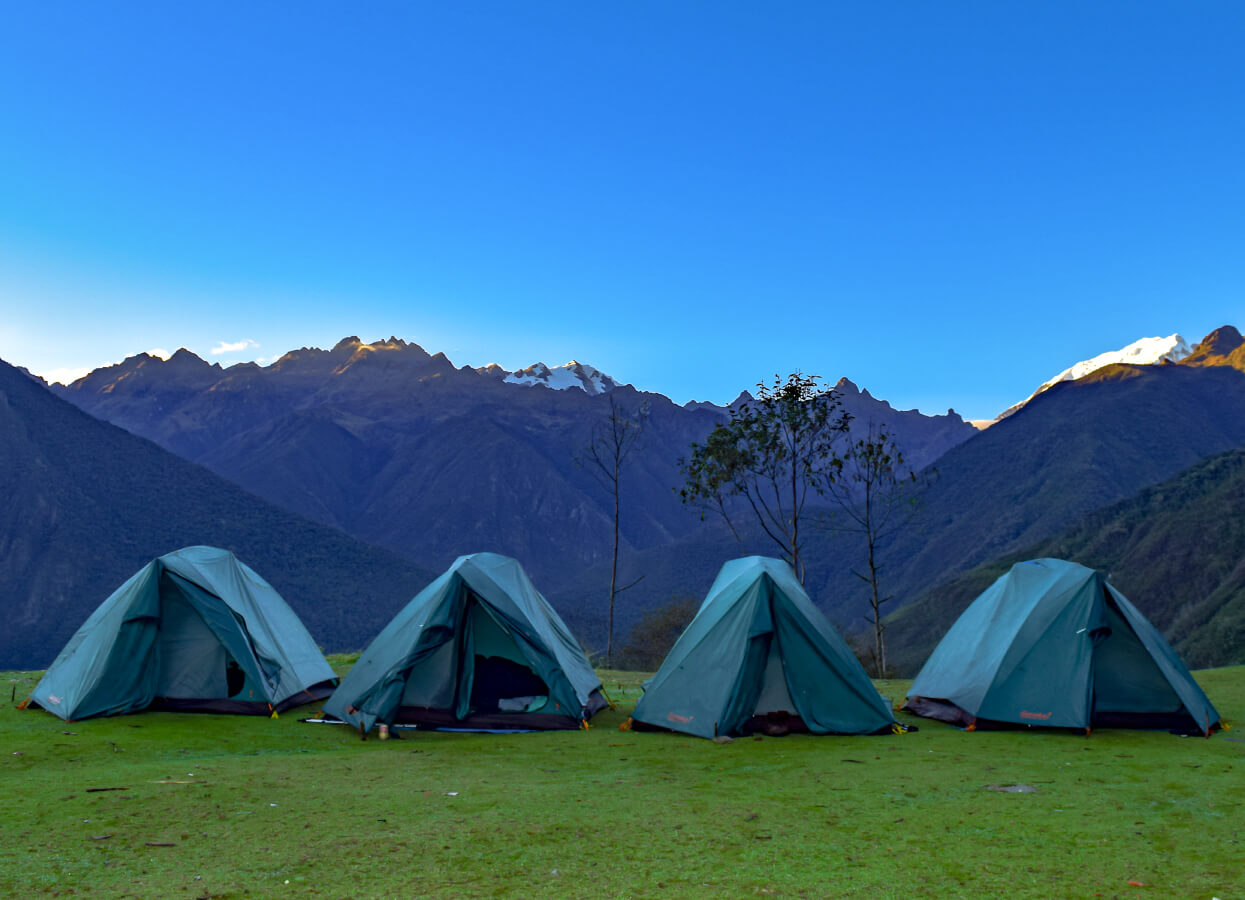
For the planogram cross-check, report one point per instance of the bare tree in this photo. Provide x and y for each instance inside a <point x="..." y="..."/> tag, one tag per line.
<point x="609" y="445"/>
<point x="769" y="457"/>
<point x="879" y="494"/>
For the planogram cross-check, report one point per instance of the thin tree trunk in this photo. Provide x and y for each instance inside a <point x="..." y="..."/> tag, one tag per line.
<point x="796" y="562"/>
<point x="609" y="637"/>
<point x="879" y="644"/>
<point x="606" y="450"/>
<point x="614" y="574"/>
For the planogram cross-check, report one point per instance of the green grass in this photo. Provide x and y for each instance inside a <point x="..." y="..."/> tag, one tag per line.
<point x="249" y="804"/>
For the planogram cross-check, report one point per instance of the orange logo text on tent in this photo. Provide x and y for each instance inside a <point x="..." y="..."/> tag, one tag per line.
<point x="675" y="717"/>
<point x="1025" y="714"/>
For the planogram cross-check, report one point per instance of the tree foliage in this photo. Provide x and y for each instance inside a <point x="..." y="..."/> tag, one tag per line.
<point x="769" y="459"/>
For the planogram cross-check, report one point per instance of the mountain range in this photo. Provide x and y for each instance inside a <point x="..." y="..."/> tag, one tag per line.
<point x="403" y="451"/>
<point x="87" y="504"/>
<point x="1076" y="448"/>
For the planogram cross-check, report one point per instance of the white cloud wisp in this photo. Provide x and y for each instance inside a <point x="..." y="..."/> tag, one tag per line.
<point x="232" y="347"/>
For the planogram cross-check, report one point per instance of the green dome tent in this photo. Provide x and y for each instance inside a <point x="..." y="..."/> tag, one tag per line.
<point x="194" y="630"/>
<point x="478" y="648"/>
<point x="758" y="653"/>
<point x="1052" y="643"/>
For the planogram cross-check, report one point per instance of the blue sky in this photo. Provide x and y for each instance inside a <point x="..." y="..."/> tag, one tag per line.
<point x="947" y="203"/>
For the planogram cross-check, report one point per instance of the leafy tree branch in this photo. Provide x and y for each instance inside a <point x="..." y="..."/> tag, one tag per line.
<point x="769" y="458"/>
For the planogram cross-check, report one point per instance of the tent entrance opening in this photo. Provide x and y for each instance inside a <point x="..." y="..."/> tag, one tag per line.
<point x="774" y="713"/>
<point x="194" y="664"/>
<point x="502" y="680"/>
<point x="1129" y="689"/>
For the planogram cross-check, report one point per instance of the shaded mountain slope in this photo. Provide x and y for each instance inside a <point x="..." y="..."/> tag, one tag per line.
<point x="87" y="504"/>
<point x="1176" y="550"/>
<point x="1076" y="448"/>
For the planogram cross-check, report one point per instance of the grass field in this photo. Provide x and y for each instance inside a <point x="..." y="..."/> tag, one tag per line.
<point x="180" y="805"/>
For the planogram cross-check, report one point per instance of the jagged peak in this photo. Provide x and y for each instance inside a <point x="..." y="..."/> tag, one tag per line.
<point x="351" y="346"/>
<point x="184" y="358"/>
<point x="1225" y="336"/>
<point x="105" y="374"/>
<point x="573" y="374"/>
<point x="389" y="345"/>
<point x="304" y="355"/>
<point x="1148" y="351"/>
<point x="132" y="362"/>
<point x="31" y="375"/>
<point x="1211" y="349"/>
<point x="393" y="351"/>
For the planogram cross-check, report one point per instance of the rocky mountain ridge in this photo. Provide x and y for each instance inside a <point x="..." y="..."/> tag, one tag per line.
<point x="404" y="450"/>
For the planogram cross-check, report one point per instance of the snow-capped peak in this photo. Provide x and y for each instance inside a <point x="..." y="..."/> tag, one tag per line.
<point x="1145" y="352"/>
<point x="573" y="374"/>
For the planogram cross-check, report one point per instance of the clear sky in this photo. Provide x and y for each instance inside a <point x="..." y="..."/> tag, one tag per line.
<point x="946" y="202"/>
